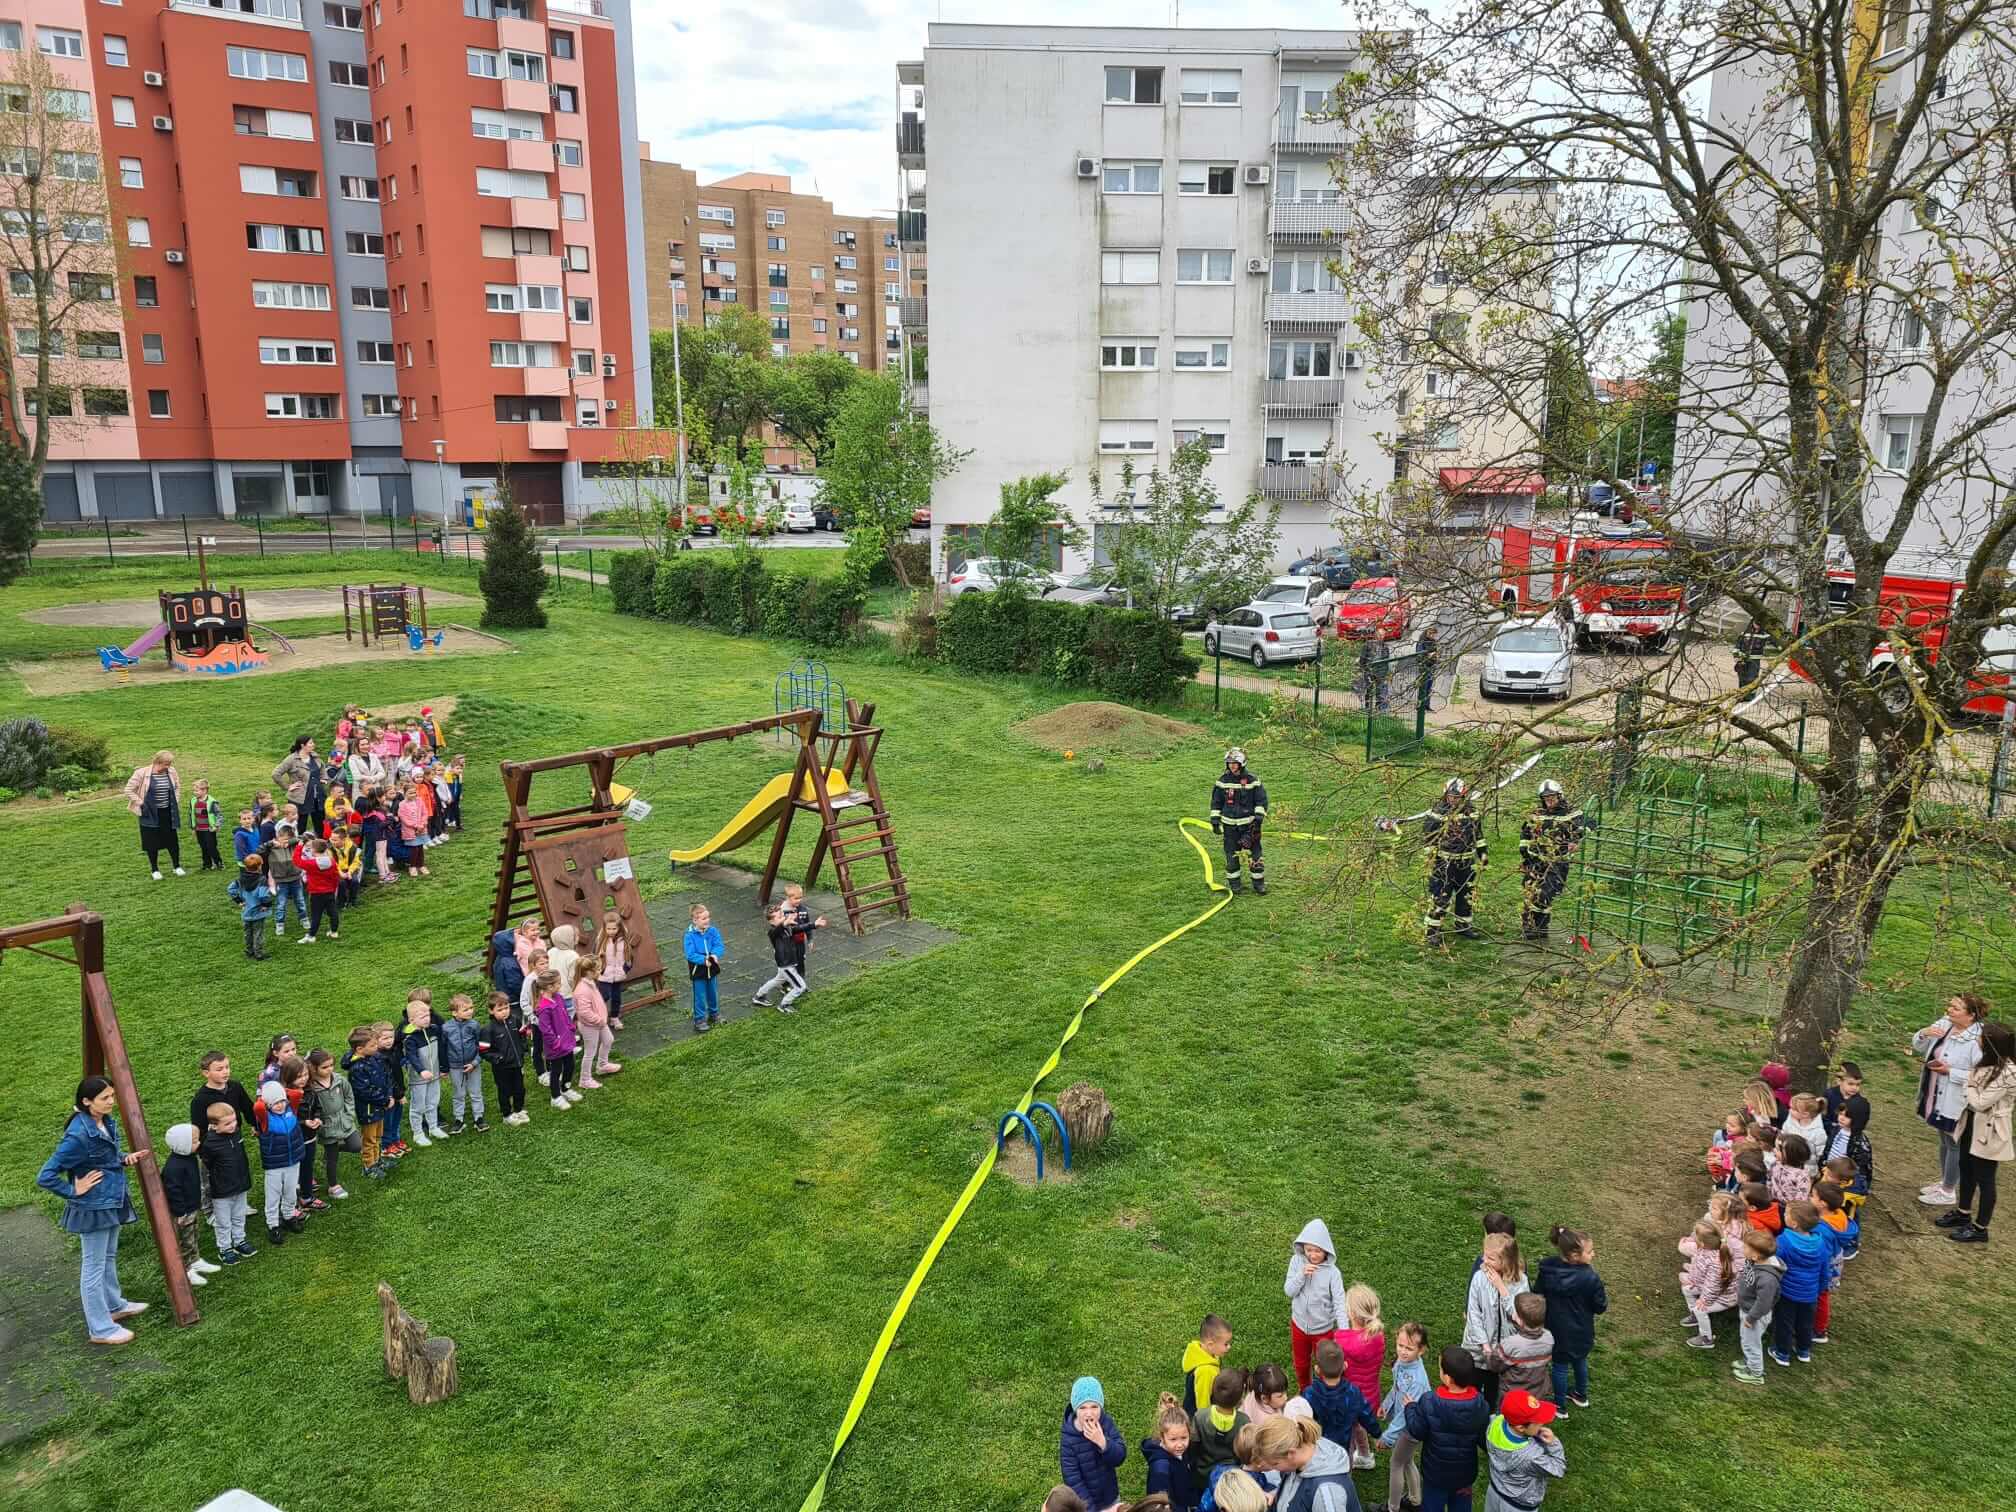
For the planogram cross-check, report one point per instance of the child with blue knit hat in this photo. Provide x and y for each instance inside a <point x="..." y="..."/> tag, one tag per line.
<point x="1090" y="1450"/>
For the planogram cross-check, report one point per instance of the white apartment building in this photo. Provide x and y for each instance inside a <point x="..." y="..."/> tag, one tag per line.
<point x="1127" y="249"/>
<point x="1730" y="383"/>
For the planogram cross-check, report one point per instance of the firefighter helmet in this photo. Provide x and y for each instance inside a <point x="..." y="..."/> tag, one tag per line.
<point x="1235" y="757"/>
<point x="1552" y="789"/>
<point x="1455" y="787"/>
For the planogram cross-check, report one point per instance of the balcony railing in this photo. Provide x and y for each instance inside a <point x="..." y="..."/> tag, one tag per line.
<point x="578" y="7"/>
<point x="910" y="228"/>
<point x="911" y="313"/>
<point x="1292" y="481"/>
<point x="1315" y="308"/>
<point x="1296" y="133"/>
<point x="1301" y="220"/>
<point x="1311" y="395"/>
<point x="910" y="142"/>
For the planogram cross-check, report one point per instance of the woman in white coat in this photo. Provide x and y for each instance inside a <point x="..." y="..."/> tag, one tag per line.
<point x="1488" y="1315"/>
<point x="1949" y="1046"/>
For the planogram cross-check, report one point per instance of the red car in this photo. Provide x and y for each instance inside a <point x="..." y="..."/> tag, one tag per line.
<point x="1374" y="609"/>
<point x="920" y="519"/>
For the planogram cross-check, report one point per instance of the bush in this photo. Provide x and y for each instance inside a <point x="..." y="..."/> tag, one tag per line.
<point x="70" y="746"/>
<point x="24" y="752"/>
<point x="71" y="779"/>
<point x="8" y="795"/>
<point x="1127" y="654"/>
<point x="630" y="581"/>
<point x="729" y="592"/>
<point x="916" y="557"/>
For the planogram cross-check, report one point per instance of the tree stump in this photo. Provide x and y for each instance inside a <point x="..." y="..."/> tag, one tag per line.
<point x="1087" y="1115"/>
<point x="430" y="1373"/>
<point x="426" y="1364"/>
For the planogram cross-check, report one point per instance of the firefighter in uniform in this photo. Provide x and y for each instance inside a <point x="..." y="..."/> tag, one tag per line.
<point x="1548" y="841"/>
<point x="1750" y="648"/>
<point x="1456" y="853"/>
<point x="1238" y="807"/>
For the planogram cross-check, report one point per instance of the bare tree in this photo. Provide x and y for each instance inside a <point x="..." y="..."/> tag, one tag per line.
<point x="57" y="238"/>
<point x="643" y="484"/>
<point x="1824" y="194"/>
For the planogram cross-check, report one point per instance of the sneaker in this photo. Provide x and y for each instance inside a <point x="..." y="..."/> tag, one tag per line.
<point x="228" y="1257"/>
<point x="1819" y="1338"/>
<point x="588" y="1083"/>
<point x="701" y="1026"/>
<point x="520" y="1117"/>
<point x="1779" y="1359"/>
<point x="1805" y="1357"/>
<point x="573" y="1094"/>
<point x="274" y="1237"/>
<point x="317" y="1205"/>
<point x="714" y="1016"/>
<point x="376" y="1172"/>
<point x="1954" y="1219"/>
<point x="479" y="1126"/>
<point x="130" y="1310"/>
<point x="333" y="935"/>
<point x="760" y="1001"/>
<point x="1577" y="1401"/>
<point x="197" y="1278"/>
<point x="338" y="1193"/>
<point x="156" y="876"/>
<point x="295" y="1225"/>
<point x="396" y="1151"/>
<point x="180" y="873"/>
<point x="420" y="1137"/>
<point x="245" y="1251"/>
<point x="1933" y="1187"/>
<point x="120" y="1335"/>
<point x="1939" y="1196"/>
<point x="1747" y="1376"/>
<point x="1362" y="1459"/>
<point x="607" y="1068"/>
<point x="545" y="1078"/>
<point x="208" y="1267"/>
<point x="784" y="1008"/>
<point x="562" y="1104"/>
<point x="306" y="940"/>
<point x="616" y="1023"/>
<point x="1972" y="1234"/>
<point x="1697" y="1342"/>
<point x="457" y="1127"/>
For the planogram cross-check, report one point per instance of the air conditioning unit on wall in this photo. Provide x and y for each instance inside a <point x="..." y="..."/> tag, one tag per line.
<point x="1257" y="174"/>
<point x="1353" y="359"/>
<point x="173" y="256"/>
<point x="1256" y="265"/>
<point x="1088" y="168"/>
<point x="153" y="80"/>
<point x="164" y="123"/>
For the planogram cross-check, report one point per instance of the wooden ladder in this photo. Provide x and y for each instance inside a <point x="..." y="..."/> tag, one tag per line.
<point x="855" y="828"/>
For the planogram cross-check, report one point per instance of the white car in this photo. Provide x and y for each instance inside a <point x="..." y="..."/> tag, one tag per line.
<point x="1310" y="593"/>
<point x="985" y="574"/>
<point x="798" y="516"/>
<point x="1264" y="632"/>
<point x="1528" y="659"/>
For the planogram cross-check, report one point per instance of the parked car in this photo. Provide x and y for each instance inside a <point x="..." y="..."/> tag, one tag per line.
<point x="1197" y="605"/>
<point x="1528" y="659"/>
<point x="824" y="518"/>
<point x="798" y="516"/>
<point x="985" y="574"/>
<point x="762" y="523"/>
<point x="1374" y="609"/>
<point x="1088" y="588"/>
<point x="700" y="520"/>
<point x="920" y="519"/>
<point x="1310" y="593"/>
<point x="1264" y="633"/>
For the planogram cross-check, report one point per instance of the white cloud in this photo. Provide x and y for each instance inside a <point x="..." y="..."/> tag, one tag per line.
<point x="808" y="87"/>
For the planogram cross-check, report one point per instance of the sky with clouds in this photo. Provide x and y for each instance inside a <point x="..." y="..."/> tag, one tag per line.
<point x="808" y="87"/>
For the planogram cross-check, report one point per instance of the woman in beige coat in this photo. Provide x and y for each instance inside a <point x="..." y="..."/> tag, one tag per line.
<point x="154" y="797"/>
<point x="1986" y="1135"/>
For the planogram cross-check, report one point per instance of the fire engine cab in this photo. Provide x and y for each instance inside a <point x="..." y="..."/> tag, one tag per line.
<point x="1925" y="606"/>
<point x="1611" y="582"/>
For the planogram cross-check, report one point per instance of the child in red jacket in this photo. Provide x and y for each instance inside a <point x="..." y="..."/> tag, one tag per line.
<point x="317" y="860"/>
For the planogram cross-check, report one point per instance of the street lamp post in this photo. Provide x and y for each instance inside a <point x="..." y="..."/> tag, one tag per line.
<point x="441" y="484"/>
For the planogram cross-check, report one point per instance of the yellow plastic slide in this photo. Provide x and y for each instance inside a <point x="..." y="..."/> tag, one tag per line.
<point x="758" y="814"/>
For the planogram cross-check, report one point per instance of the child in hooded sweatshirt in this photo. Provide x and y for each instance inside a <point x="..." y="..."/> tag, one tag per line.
<point x="1808" y="1122"/>
<point x="1315" y="1470"/>
<point x="1090" y="1450"/>
<point x="281" y="1146"/>
<point x="1523" y="1453"/>
<point x="1215" y="1425"/>
<point x="1200" y="1360"/>
<point x="1526" y="1354"/>
<point x="1315" y="1288"/>
<point x="1410" y="1382"/>
<point x="1164" y="1450"/>
<point x="1339" y="1409"/>
<point x="561" y="956"/>
<point x="1756" y="1296"/>
<point x="1575" y="1299"/>
<point x="256" y="901"/>
<point x="507" y="972"/>
<point x="182" y="1182"/>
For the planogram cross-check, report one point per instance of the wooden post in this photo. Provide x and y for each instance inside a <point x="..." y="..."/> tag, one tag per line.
<point x="423" y="616"/>
<point x="168" y="640"/>
<point x="804" y="768"/>
<point x="366" y="606"/>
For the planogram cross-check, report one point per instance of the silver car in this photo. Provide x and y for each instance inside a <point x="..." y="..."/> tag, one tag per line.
<point x="1088" y="588"/>
<point x="1528" y="659"/>
<point x="985" y="574"/>
<point x="1263" y="633"/>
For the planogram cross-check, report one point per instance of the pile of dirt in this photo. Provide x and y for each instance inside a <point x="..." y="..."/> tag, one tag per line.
<point x="1108" y="728"/>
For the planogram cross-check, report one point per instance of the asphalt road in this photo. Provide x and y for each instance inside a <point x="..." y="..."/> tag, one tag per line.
<point x="155" y="541"/>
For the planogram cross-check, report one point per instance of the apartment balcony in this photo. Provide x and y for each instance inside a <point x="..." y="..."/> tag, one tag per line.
<point x="920" y="398"/>
<point x="1296" y="135"/>
<point x="910" y="230"/>
<point x="1302" y="221"/>
<point x="676" y="266"/>
<point x="531" y="268"/>
<point x="543" y="325"/>
<point x="521" y="36"/>
<point x="546" y="380"/>
<point x="910" y="141"/>
<point x="1293" y="482"/>
<point x="526" y="94"/>
<point x="578" y="7"/>
<point x="1302" y="398"/>
<point x="540" y="214"/>
<point x="546" y="435"/>
<point x="528" y="157"/>
<point x="910" y="314"/>
<point x="1313" y="308"/>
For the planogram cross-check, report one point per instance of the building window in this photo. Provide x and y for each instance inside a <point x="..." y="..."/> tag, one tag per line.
<point x="719" y="214"/>
<point x="1210" y="86"/>
<point x="115" y="52"/>
<point x="59" y="43"/>
<point x="122" y="111"/>
<point x="139" y="231"/>
<point x="847" y="264"/>
<point x="1211" y="432"/>
<point x="520" y="409"/>
<point x="506" y="125"/>
<point x="1303" y="275"/>
<point x="780" y="327"/>
<point x="584" y="361"/>
<point x="131" y="174"/>
<point x="264" y="238"/>
<point x="780" y="299"/>
<point x="370" y="297"/>
<point x="1126" y="435"/>
<point x="581" y="311"/>
<point x="55" y="403"/>
<point x="300" y="407"/>
<point x="1300" y="359"/>
<point x="566" y="99"/>
<point x="523" y="354"/>
<point x="843" y="238"/>
<point x="286" y="352"/>
<point x="381" y="406"/>
<point x="364" y="243"/>
<point x="253" y="63"/>
<point x="567" y="153"/>
<point x="311" y="480"/>
<point x="295" y="125"/>
<point x="560" y="44"/>
<point x="1213" y="356"/>
<point x="574" y="207"/>
<point x="358" y="133"/>
<point x="544" y="297"/>
<point x="10" y="36"/>
<point x="1900" y="441"/>
<point x="290" y="296"/>
<point x="1126" y="356"/>
<point x="1203" y="265"/>
<point x="510" y="183"/>
<point x="375" y="353"/>
<point x="103" y="345"/>
<point x="577" y="258"/>
<point x="889" y="264"/>
<point x="818" y="326"/>
<point x="1130" y="267"/>
<point x="146" y="292"/>
<point x="292" y="183"/>
<point x="500" y="299"/>
<point x="343" y="17"/>
<point x="779" y="275"/>
<point x="773" y="243"/>
<point x="1133" y="86"/>
<point x="773" y="218"/>
<point x="153" y="350"/>
<point x="157" y="404"/>
<point x="354" y="186"/>
<point x="1206" y="178"/>
<point x="107" y="403"/>
<point x="1131" y="178"/>
<point x="484" y="64"/>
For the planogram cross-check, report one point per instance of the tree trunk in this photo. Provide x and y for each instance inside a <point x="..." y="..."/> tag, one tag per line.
<point x="430" y="1373"/>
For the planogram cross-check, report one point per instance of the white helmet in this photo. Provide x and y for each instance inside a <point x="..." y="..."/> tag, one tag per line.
<point x="1552" y="789"/>
<point x="1455" y="787"/>
<point x="1235" y="757"/>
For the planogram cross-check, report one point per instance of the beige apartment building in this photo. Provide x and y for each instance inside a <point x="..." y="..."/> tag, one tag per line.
<point x="825" y="282"/>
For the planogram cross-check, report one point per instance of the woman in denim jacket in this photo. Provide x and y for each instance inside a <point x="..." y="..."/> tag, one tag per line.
<point x="88" y="1171"/>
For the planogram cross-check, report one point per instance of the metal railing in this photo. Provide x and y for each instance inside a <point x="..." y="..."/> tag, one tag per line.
<point x="911" y="313"/>
<point x="1302" y="393"/>
<point x="1293" y="481"/>
<point x="910" y="140"/>
<point x="1303" y="220"/>
<point x="1296" y="133"/>
<point x="1331" y="308"/>
<point x="910" y="227"/>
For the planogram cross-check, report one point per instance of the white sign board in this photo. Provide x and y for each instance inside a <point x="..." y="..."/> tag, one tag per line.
<point x="636" y="811"/>
<point x="618" y="870"/>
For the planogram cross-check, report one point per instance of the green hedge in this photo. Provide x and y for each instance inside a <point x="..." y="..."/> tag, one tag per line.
<point x="1126" y="654"/>
<point x="723" y="591"/>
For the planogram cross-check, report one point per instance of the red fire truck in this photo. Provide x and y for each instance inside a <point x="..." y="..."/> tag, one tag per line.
<point x="1924" y="606"/>
<point x="1611" y="581"/>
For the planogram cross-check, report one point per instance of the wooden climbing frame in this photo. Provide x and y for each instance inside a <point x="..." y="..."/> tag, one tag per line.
<point x="553" y="864"/>
<point x="105" y="1055"/>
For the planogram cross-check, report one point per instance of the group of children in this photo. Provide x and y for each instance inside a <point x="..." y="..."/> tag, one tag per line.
<point x="380" y="800"/>
<point x="1250" y="1440"/>
<point x="790" y="928"/>
<point x="564" y="1004"/>
<point x="1789" y="1174"/>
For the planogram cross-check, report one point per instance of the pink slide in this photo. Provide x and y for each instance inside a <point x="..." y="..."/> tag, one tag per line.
<point x="149" y="641"/>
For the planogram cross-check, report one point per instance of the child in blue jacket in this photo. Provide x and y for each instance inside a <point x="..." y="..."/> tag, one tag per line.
<point x="1090" y="1450"/>
<point x="1806" y="1257"/>
<point x="255" y="898"/>
<point x="281" y="1148"/>
<point x="1334" y="1402"/>
<point x="704" y="951"/>
<point x="506" y="975"/>
<point x="1164" y="1450"/>
<point x="1410" y="1383"/>
<point x="245" y="838"/>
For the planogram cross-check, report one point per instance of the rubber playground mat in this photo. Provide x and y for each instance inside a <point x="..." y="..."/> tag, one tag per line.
<point x="730" y="895"/>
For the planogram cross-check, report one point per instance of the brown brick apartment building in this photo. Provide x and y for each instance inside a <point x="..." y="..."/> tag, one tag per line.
<point x="825" y="282"/>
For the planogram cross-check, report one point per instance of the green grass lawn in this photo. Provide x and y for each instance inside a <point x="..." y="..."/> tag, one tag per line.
<point x="665" y="1298"/>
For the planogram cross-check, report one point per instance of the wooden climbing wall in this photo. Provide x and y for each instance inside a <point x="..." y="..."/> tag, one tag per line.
<point x="568" y="871"/>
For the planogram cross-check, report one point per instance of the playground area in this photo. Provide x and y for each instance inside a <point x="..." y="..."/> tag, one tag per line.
<point x="262" y="604"/>
<point x="58" y="675"/>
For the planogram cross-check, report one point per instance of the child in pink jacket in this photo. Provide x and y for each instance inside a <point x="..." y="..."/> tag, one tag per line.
<point x="591" y="1015"/>
<point x="1364" y="1346"/>
<point x="413" y="829"/>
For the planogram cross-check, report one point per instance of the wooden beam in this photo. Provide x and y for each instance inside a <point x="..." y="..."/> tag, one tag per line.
<point x="662" y="743"/>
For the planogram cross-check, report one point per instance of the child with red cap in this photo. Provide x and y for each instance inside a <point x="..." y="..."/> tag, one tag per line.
<point x="1523" y="1452"/>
